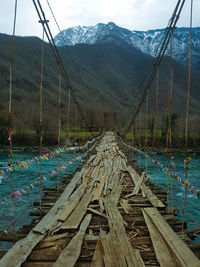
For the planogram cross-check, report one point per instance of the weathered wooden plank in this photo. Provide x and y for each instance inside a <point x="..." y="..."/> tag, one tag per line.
<point x="46" y="245"/>
<point x="87" y="175"/>
<point x="72" y="202"/>
<point x="95" y="173"/>
<point x="135" y="177"/>
<point x="97" y="260"/>
<point x="20" y="251"/>
<point x="115" y="196"/>
<point x="183" y="254"/>
<point x="97" y="159"/>
<point x="97" y="212"/>
<point x="11" y="237"/>
<point x="116" y="224"/>
<point x="45" y="254"/>
<point x="90" y="159"/>
<point x="137" y="186"/>
<point x="91" y="238"/>
<point x="70" y="254"/>
<point x="49" y="220"/>
<point x="76" y="216"/>
<point x="2" y="253"/>
<point x="163" y="253"/>
<point x="98" y="190"/>
<point x="101" y="204"/>
<point x="132" y="174"/>
<point x="124" y="204"/>
<point x="123" y="165"/>
<point x="100" y="174"/>
<point x="24" y="247"/>
<point x="112" y="254"/>
<point x="38" y="264"/>
<point x="152" y="198"/>
<point x="55" y="237"/>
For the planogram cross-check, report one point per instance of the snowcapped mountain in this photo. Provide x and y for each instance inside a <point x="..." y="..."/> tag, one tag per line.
<point x="146" y="41"/>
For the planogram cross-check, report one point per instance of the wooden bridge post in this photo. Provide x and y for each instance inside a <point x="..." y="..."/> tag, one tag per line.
<point x="110" y="122"/>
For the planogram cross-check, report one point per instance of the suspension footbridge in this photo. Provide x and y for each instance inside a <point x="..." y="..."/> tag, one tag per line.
<point x="108" y="212"/>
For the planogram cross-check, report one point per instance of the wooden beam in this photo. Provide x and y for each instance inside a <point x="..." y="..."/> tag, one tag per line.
<point x="183" y="254"/>
<point x="163" y="253"/>
<point x="152" y="198"/>
<point x="72" y="202"/>
<point x="70" y="254"/>
<point x="97" y="212"/>
<point x="76" y="216"/>
<point x="97" y="260"/>
<point x="20" y="251"/>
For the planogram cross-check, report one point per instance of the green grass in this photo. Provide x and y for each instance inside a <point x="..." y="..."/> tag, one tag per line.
<point x="130" y="136"/>
<point x="24" y="131"/>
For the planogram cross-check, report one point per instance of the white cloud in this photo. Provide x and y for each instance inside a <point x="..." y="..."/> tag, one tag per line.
<point x="132" y="14"/>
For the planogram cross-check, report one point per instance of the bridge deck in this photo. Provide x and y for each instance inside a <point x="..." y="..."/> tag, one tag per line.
<point x="108" y="215"/>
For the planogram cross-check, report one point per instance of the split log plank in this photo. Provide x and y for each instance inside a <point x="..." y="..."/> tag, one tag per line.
<point x="97" y="212"/>
<point x="20" y="251"/>
<point x="37" y="264"/>
<point x="55" y="237"/>
<point x="163" y="253"/>
<point x="98" y="190"/>
<point x="183" y="254"/>
<point x="137" y="186"/>
<point x="135" y="177"/>
<point x="70" y="254"/>
<point x="112" y="254"/>
<point x="124" y="204"/>
<point x="76" y="216"/>
<point x="47" y="223"/>
<point x="72" y="202"/>
<point x="115" y="222"/>
<point x="152" y="198"/>
<point x="97" y="260"/>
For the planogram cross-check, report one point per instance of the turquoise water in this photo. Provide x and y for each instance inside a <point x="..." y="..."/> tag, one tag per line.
<point x="23" y="177"/>
<point x="193" y="202"/>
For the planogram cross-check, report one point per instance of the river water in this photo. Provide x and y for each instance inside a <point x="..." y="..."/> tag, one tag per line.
<point x="192" y="206"/>
<point x="23" y="177"/>
<point x="26" y="181"/>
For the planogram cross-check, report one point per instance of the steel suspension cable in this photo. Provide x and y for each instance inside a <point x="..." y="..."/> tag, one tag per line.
<point x="73" y="62"/>
<point x="56" y="54"/>
<point x="56" y="22"/>
<point x="187" y="110"/>
<point x="165" y="41"/>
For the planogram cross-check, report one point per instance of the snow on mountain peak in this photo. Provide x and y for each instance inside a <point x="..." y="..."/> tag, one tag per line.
<point x="146" y="41"/>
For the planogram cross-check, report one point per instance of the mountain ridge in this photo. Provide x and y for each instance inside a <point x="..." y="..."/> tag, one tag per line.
<point x="112" y="81"/>
<point x="145" y="41"/>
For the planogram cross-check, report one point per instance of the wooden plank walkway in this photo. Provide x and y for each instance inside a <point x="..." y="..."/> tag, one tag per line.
<point x="108" y="215"/>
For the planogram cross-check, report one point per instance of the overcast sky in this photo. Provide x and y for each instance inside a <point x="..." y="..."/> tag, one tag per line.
<point x="130" y="14"/>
